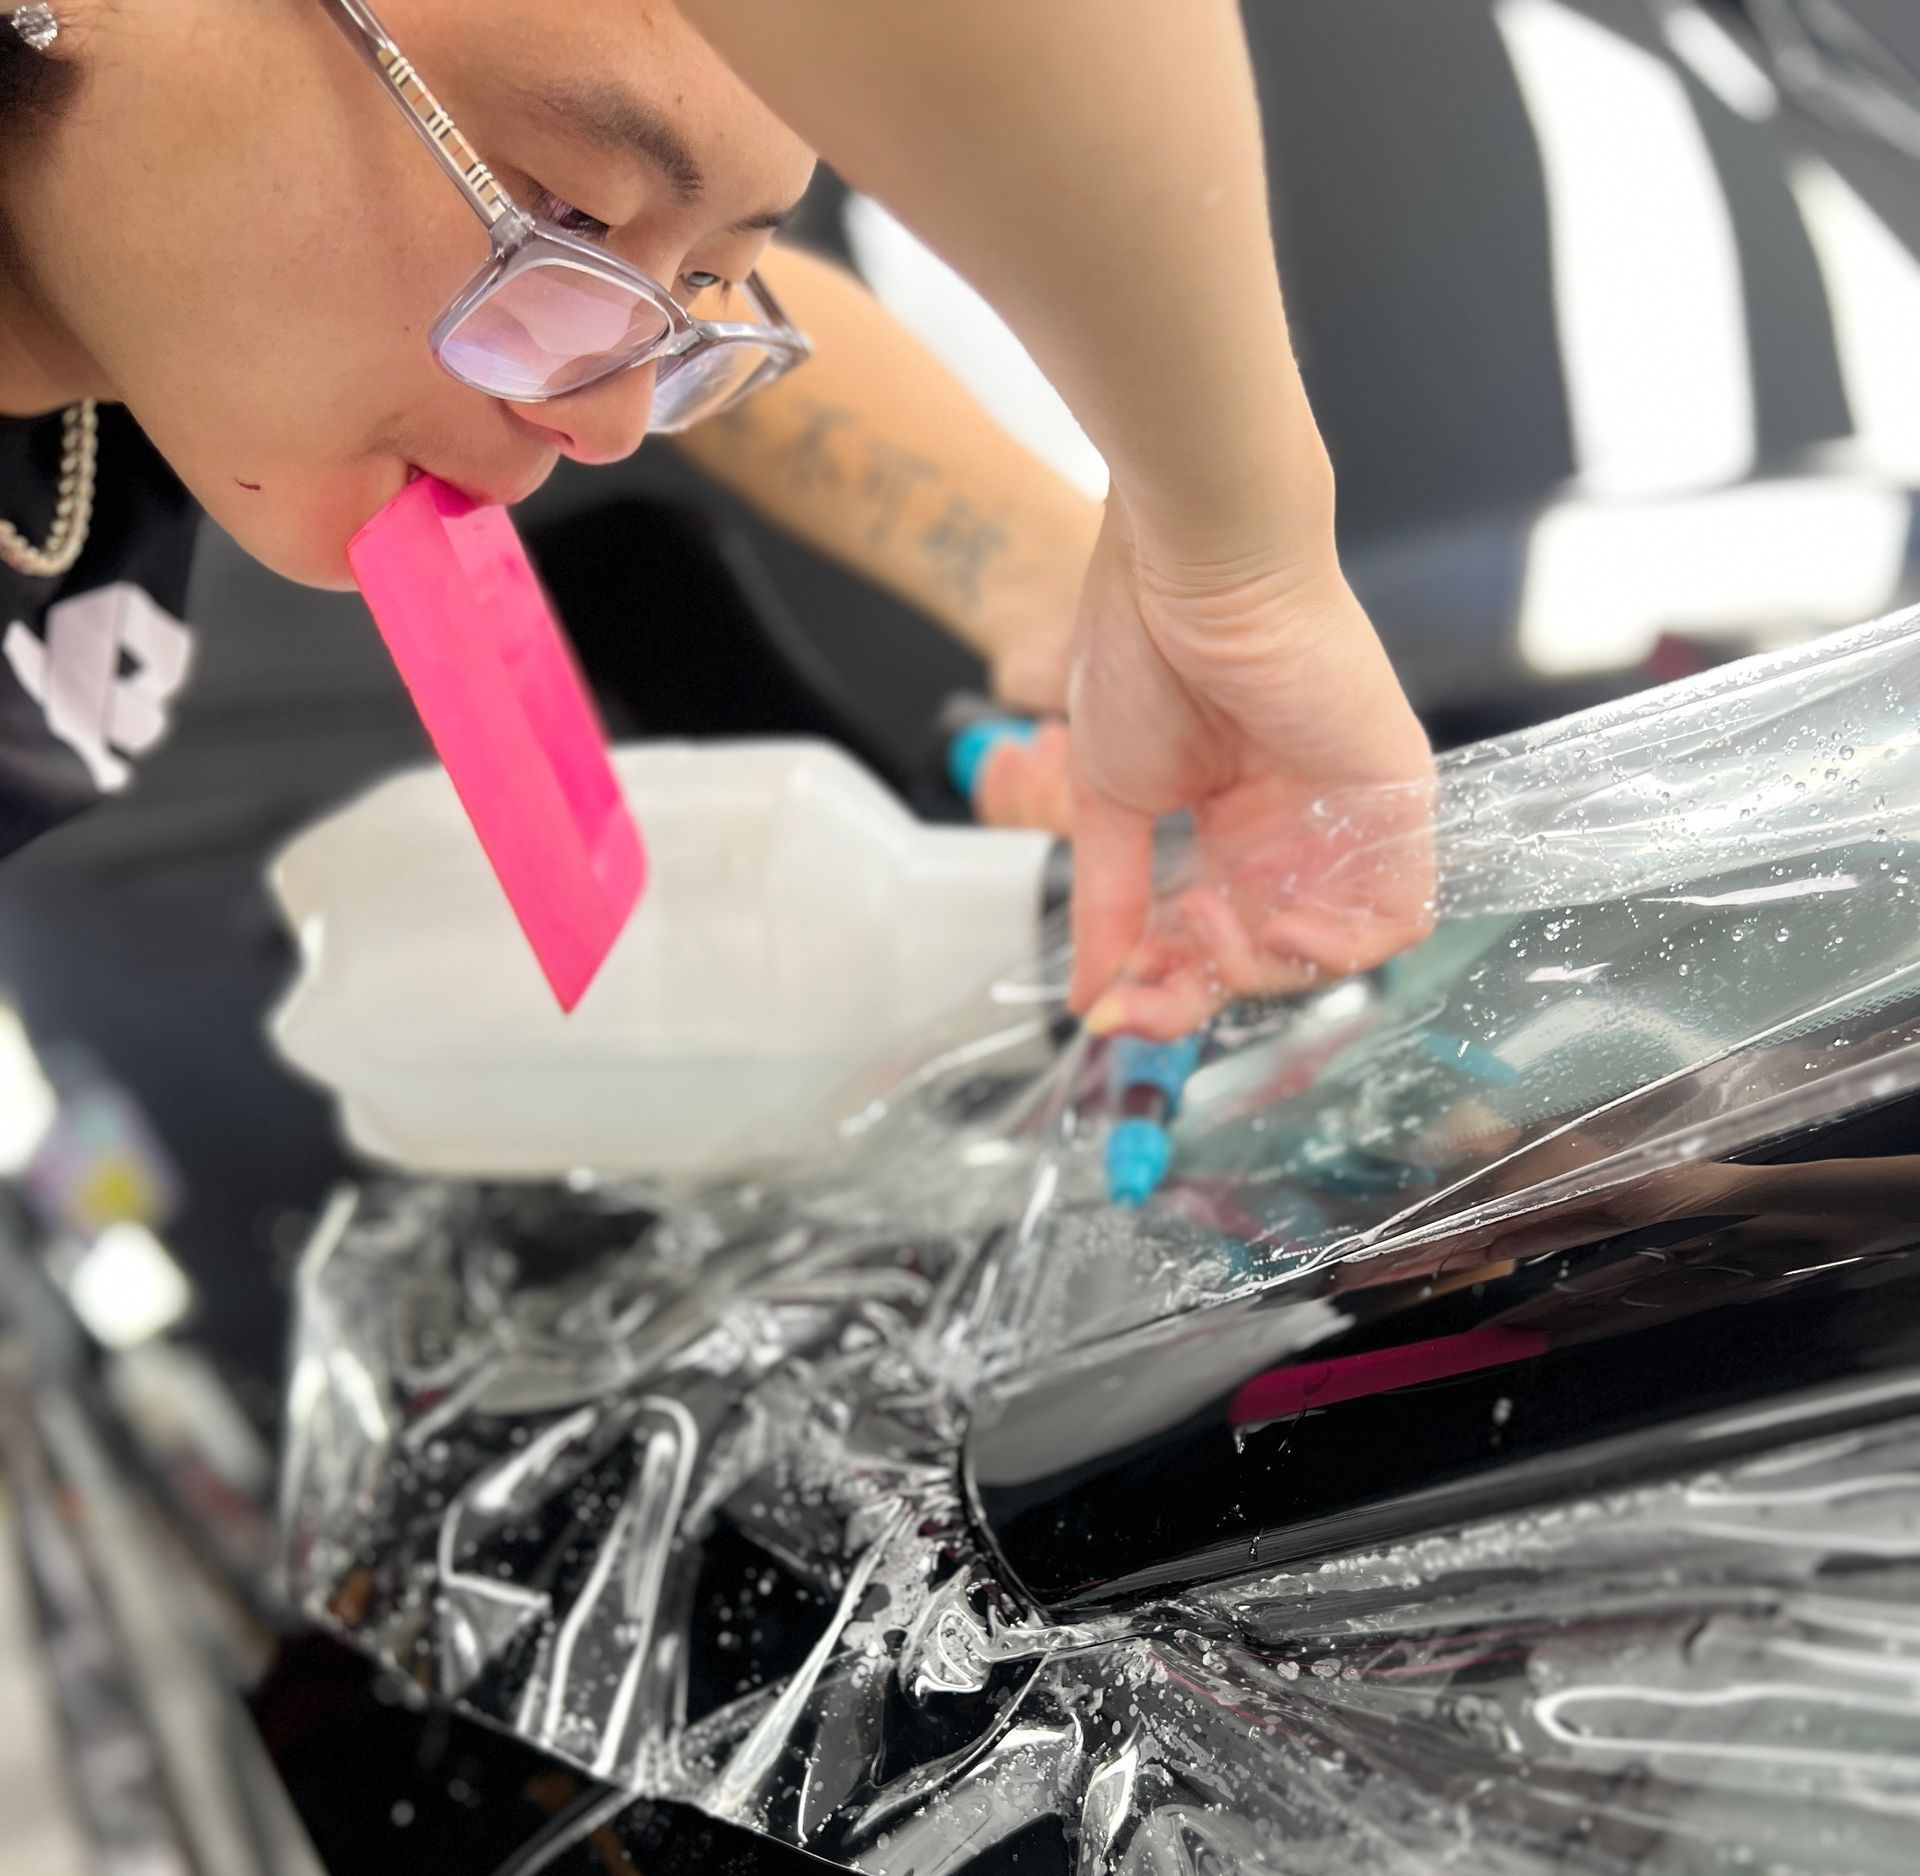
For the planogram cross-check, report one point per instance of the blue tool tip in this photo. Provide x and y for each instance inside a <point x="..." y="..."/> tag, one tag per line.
<point x="1472" y="1059"/>
<point x="1168" y="1066"/>
<point x="1138" y="1154"/>
<point x="968" y="752"/>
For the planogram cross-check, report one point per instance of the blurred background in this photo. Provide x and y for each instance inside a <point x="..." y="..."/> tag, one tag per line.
<point x="1607" y="308"/>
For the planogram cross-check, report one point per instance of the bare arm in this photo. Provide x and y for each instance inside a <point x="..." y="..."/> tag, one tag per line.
<point x="1096" y="168"/>
<point x="875" y="455"/>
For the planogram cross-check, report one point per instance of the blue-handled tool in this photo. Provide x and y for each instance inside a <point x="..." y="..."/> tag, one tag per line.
<point x="1474" y="1060"/>
<point x="1149" y="1079"/>
<point x="967" y="753"/>
<point x="1149" y="1082"/>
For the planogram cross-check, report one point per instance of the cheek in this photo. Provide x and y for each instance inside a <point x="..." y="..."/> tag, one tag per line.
<point x="286" y="309"/>
<point x="314" y="384"/>
<point x="257" y="285"/>
<point x="330" y="331"/>
<point x="308" y="377"/>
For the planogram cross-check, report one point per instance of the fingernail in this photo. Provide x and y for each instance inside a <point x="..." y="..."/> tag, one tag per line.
<point x="1105" y="1017"/>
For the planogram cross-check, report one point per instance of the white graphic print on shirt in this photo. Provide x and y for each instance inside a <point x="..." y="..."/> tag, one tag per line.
<point x="76" y="675"/>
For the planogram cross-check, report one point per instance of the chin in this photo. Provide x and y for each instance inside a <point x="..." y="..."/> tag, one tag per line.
<point x="301" y="538"/>
<point x="318" y="564"/>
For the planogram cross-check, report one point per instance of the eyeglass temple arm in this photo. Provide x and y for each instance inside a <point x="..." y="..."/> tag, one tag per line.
<point x="422" y="110"/>
<point x="773" y="312"/>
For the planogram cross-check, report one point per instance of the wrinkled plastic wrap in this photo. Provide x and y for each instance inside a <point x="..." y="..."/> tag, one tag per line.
<point x="667" y="1481"/>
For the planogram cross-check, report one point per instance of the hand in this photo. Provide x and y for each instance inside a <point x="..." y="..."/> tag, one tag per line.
<point x="1260" y="699"/>
<point x="1030" y="667"/>
<point x="1028" y="784"/>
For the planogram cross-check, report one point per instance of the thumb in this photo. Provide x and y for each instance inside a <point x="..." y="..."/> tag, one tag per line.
<point x="1112" y="889"/>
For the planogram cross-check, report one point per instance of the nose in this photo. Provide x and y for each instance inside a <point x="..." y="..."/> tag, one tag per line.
<point x="603" y="424"/>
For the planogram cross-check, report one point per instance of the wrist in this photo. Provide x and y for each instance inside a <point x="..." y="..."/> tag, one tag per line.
<point x="1277" y="556"/>
<point x="1271" y="517"/>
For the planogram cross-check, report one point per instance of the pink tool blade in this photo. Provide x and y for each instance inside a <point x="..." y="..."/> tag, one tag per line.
<point x="466" y="621"/>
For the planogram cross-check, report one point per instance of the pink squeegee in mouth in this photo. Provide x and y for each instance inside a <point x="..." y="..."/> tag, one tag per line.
<point x="466" y="621"/>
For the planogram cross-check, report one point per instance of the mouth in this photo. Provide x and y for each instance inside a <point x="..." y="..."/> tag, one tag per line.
<point x="479" y="495"/>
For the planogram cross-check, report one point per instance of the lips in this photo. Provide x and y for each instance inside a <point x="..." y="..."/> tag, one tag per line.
<point x="478" y="494"/>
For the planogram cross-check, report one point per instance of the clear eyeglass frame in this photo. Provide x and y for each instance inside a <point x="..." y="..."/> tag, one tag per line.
<point x="538" y="277"/>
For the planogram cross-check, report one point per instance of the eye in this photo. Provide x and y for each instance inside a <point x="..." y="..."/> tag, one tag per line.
<point x="549" y="207"/>
<point x="707" y="296"/>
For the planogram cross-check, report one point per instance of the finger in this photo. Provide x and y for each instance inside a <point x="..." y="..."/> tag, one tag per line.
<point x="1027" y="784"/>
<point x="1223" y="940"/>
<point x="1003" y="788"/>
<point x="1240" y="967"/>
<point x="1050" y="779"/>
<point x="1112" y="890"/>
<point x="1341" y="944"/>
<point x="1163" y="1012"/>
<point x="1161" y="954"/>
<point x="1178" y="981"/>
<point x="1055" y="751"/>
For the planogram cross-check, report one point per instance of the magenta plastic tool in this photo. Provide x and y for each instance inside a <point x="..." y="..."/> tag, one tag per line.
<point x="463" y="614"/>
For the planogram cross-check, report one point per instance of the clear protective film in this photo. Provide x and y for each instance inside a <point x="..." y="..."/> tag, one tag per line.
<point x="899" y="1506"/>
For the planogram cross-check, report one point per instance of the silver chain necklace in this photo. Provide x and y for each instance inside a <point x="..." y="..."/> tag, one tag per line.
<point x="73" y="512"/>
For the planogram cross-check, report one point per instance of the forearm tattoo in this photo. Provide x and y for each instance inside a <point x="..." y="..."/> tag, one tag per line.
<point x="888" y="483"/>
<point x="807" y="461"/>
<point x="892" y="489"/>
<point x="960" y="546"/>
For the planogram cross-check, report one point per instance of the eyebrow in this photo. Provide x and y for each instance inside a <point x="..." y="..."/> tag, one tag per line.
<point x="620" y="120"/>
<point x="766" y="220"/>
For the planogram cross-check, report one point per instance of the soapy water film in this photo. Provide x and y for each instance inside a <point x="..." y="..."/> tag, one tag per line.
<point x="667" y="1481"/>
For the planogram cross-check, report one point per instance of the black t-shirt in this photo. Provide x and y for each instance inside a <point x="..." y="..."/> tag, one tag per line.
<point x="90" y="661"/>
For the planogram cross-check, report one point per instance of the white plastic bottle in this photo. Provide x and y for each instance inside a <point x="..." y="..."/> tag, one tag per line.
<point x="798" y="924"/>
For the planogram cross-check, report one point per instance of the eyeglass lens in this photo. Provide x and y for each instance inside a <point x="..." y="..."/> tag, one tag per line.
<point x="550" y="329"/>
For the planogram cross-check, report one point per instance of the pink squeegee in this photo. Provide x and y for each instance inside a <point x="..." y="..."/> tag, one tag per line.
<point x="463" y="615"/>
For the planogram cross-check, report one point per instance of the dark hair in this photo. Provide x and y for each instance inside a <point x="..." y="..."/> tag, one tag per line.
<point x="30" y="84"/>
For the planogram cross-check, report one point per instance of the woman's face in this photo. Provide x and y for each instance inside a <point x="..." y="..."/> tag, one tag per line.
<point x="231" y="230"/>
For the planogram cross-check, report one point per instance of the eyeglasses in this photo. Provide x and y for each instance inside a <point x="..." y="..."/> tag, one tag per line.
<point x="550" y="314"/>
